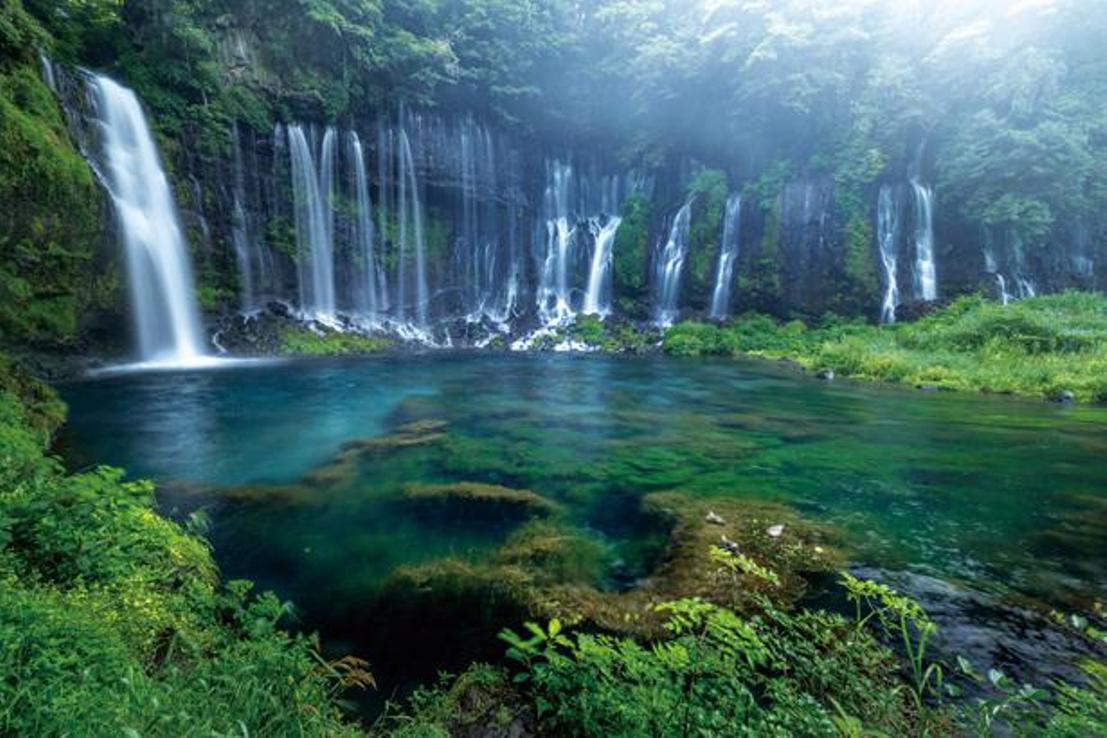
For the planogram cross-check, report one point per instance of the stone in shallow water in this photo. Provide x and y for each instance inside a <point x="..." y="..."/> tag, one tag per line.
<point x="715" y="519"/>
<point x="775" y="531"/>
<point x="475" y="494"/>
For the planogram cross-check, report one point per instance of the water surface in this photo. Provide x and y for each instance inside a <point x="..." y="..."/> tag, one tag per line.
<point x="991" y="510"/>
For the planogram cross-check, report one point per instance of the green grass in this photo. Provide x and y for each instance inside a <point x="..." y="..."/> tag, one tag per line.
<point x="299" y="341"/>
<point x="113" y="619"/>
<point x="1038" y="347"/>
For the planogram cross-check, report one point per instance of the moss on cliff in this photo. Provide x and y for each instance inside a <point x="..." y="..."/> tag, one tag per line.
<point x="51" y="225"/>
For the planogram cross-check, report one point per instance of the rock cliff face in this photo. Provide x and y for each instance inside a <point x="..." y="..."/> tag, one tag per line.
<point x="483" y="225"/>
<point x="428" y="224"/>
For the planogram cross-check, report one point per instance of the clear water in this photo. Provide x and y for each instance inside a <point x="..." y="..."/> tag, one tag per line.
<point x="991" y="510"/>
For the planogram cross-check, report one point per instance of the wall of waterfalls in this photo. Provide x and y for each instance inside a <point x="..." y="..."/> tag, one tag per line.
<point x="443" y="227"/>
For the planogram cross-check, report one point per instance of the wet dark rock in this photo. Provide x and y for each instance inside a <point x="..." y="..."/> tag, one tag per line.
<point x="827" y="375"/>
<point x="1065" y="397"/>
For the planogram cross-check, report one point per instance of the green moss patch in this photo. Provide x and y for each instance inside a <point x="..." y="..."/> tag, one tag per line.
<point x="482" y="496"/>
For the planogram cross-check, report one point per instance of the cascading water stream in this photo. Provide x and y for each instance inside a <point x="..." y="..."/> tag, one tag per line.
<point x="926" y="274"/>
<point x="1004" y="295"/>
<point x="887" y="230"/>
<point x="411" y="212"/>
<point x="597" y="299"/>
<point x="166" y="315"/>
<point x="314" y="223"/>
<point x="670" y="267"/>
<point x="728" y="257"/>
<point x="367" y="277"/>
<point x="255" y="266"/>
<point x="554" y="299"/>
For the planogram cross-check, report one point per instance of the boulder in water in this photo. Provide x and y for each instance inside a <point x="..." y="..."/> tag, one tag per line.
<point x="827" y="375"/>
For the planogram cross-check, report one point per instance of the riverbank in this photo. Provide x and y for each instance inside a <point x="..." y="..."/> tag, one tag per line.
<point x="1053" y="347"/>
<point x="114" y="619"/>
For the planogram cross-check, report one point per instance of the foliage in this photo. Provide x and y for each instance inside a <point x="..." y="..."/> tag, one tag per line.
<point x="902" y="618"/>
<point x="50" y="207"/>
<point x="715" y="673"/>
<point x="299" y="341"/>
<point x="708" y="191"/>
<point x="112" y="618"/>
<point x="1042" y="346"/>
<point x="631" y="256"/>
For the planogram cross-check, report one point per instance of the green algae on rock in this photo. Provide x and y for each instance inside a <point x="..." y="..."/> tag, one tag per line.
<point x="549" y="569"/>
<point x="472" y="495"/>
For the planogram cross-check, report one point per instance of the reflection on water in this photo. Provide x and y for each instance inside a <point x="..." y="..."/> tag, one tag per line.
<point x="1000" y="502"/>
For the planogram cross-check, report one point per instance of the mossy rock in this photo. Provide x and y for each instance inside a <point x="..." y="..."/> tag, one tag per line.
<point x="192" y="495"/>
<point x="487" y="497"/>
<point x="344" y="466"/>
<point x="549" y="569"/>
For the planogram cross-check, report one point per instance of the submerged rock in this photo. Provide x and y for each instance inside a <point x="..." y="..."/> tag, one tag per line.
<point x="550" y="569"/>
<point x="475" y="494"/>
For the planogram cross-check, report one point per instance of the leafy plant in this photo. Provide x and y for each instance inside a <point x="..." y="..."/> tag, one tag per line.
<point x="900" y="617"/>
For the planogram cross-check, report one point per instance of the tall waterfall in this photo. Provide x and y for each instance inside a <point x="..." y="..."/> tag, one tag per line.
<point x="367" y="281"/>
<point x="670" y="267"/>
<point x="255" y="262"/>
<point x="554" y="300"/>
<point x="167" y="319"/>
<point x="597" y="300"/>
<point x="240" y="230"/>
<point x="412" y="237"/>
<point x="926" y="275"/>
<point x="887" y="233"/>
<point x="312" y="191"/>
<point x="728" y="256"/>
<point x="580" y="216"/>
<point x="477" y="246"/>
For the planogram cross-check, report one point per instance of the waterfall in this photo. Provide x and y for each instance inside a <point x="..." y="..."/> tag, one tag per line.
<point x="167" y="319"/>
<point x="385" y="168"/>
<point x="477" y="243"/>
<point x="597" y="300"/>
<point x="411" y="213"/>
<point x="46" y="66"/>
<point x="926" y="276"/>
<point x="255" y="267"/>
<point x="554" y="300"/>
<point x="366" y="278"/>
<point x="670" y="266"/>
<point x="312" y="192"/>
<point x="728" y="256"/>
<point x="887" y="230"/>
<point x="1004" y="295"/>
<point x="1026" y="288"/>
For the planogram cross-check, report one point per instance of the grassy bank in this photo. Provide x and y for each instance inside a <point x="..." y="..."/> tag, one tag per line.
<point x="1045" y="346"/>
<point x="113" y="619"/>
